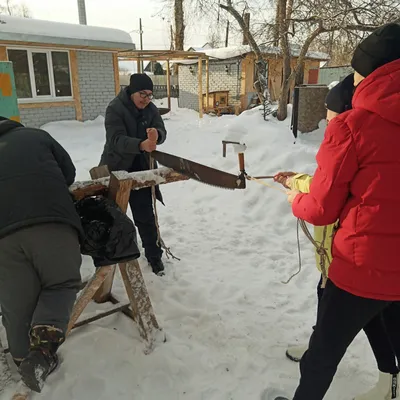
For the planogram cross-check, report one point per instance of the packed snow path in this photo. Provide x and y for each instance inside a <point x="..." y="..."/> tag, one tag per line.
<point x="227" y="315"/>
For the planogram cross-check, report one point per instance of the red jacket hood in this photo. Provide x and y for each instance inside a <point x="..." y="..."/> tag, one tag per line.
<point x="379" y="93"/>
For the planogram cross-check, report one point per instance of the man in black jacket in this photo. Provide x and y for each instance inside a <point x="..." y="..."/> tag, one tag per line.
<point x="134" y="128"/>
<point x="40" y="255"/>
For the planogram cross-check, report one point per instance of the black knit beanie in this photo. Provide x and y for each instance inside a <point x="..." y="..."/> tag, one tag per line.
<point x="139" y="82"/>
<point x="381" y="47"/>
<point x="340" y="96"/>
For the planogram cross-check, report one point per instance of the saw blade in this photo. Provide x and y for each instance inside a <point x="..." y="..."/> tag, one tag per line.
<point x="199" y="172"/>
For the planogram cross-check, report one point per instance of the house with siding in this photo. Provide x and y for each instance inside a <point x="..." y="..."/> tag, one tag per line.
<point x="232" y="73"/>
<point x="62" y="71"/>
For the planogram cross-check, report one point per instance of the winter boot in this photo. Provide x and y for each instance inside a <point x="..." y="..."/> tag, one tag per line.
<point x="386" y="388"/>
<point x="42" y="359"/>
<point x="295" y="353"/>
<point x="157" y="266"/>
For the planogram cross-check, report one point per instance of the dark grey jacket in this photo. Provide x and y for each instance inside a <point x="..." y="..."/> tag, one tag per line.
<point x="125" y="130"/>
<point x="35" y="173"/>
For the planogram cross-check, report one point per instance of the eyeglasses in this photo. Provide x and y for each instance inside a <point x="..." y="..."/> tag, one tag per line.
<point x="144" y="95"/>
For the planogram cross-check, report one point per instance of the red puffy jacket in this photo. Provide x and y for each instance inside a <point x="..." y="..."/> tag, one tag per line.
<point x="356" y="182"/>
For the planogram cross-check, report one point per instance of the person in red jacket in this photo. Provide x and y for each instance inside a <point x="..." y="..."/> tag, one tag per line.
<point x="358" y="163"/>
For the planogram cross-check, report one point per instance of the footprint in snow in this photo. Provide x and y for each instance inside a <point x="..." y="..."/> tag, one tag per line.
<point x="272" y="394"/>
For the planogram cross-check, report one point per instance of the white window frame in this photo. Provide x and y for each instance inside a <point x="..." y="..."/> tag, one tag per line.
<point x="52" y="97"/>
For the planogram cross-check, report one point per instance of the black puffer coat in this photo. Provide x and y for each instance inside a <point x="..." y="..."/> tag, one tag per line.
<point x="35" y="173"/>
<point x="125" y="130"/>
<point x="109" y="234"/>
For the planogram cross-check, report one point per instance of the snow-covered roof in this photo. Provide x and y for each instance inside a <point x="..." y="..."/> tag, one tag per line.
<point x="225" y="53"/>
<point x="15" y="29"/>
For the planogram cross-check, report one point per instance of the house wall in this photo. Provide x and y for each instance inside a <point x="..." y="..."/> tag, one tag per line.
<point x="95" y="82"/>
<point x="36" y="117"/>
<point x="219" y="80"/>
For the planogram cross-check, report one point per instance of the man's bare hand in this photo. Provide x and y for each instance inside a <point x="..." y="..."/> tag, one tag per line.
<point x="148" y="146"/>
<point x="283" y="178"/>
<point x="152" y="134"/>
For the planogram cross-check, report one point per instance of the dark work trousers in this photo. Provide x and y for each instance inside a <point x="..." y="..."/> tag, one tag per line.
<point x="383" y="333"/>
<point x="39" y="280"/>
<point x="141" y="203"/>
<point x="340" y="318"/>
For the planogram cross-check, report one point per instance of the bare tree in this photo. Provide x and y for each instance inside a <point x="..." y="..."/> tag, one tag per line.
<point x="8" y="7"/>
<point x="306" y="20"/>
<point x="261" y="84"/>
<point x="214" y="36"/>
<point x="179" y="24"/>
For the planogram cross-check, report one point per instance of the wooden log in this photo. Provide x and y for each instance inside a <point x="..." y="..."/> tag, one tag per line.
<point x="99" y="172"/>
<point x="139" y="180"/>
<point x="87" y="294"/>
<point x="140" y="302"/>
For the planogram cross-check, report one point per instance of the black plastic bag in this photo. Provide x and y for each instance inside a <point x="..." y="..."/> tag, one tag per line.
<point x="109" y="234"/>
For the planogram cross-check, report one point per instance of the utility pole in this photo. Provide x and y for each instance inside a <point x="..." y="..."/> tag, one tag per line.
<point x="172" y="38"/>
<point x="82" y="12"/>
<point x="141" y="40"/>
<point x="227" y="34"/>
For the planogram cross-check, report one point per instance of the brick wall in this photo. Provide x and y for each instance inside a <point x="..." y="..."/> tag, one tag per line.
<point x="219" y="80"/>
<point x="96" y="82"/>
<point x="36" y="117"/>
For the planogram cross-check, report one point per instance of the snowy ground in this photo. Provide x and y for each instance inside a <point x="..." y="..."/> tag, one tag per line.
<point x="226" y="313"/>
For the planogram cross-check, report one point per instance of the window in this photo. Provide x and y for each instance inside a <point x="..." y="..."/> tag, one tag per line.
<point x="41" y="74"/>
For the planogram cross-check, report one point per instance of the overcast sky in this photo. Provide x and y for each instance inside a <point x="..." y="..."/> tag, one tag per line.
<point x="122" y="14"/>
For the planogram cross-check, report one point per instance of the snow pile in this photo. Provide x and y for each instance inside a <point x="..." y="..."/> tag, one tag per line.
<point x="225" y="53"/>
<point x="30" y="26"/>
<point x="225" y="311"/>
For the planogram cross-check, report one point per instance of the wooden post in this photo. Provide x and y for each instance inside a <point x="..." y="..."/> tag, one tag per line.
<point x="116" y="74"/>
<point x="207" y="81"/>
<point x="119" y="191"/>
<point x="87" y="295"/>
<point x="139" y="66"/>
<point x="168" y="85"/>
<point x="200" y="73"/>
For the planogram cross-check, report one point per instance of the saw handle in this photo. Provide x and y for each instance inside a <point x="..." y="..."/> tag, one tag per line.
<point x="241" y="162"/>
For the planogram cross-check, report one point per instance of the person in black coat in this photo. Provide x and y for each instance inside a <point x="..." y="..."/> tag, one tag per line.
<point x="134" y="128"/>
<point x="40" y="256"/>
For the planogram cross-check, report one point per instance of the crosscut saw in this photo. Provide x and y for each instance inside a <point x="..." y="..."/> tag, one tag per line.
<point x="202" y="173"/>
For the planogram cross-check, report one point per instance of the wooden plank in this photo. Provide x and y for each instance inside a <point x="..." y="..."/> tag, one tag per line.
<point x="169" y="85"/>
<point x="87" y="294"/>
<point x="49" y="104"/>
<point x="113" y="310"/>
<point x="3" y="53"/>
<point x="75" y="85"/>
<point x="200" y="73"/>
<point x="116" y="73"/>
<point x="140" y="302"/>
